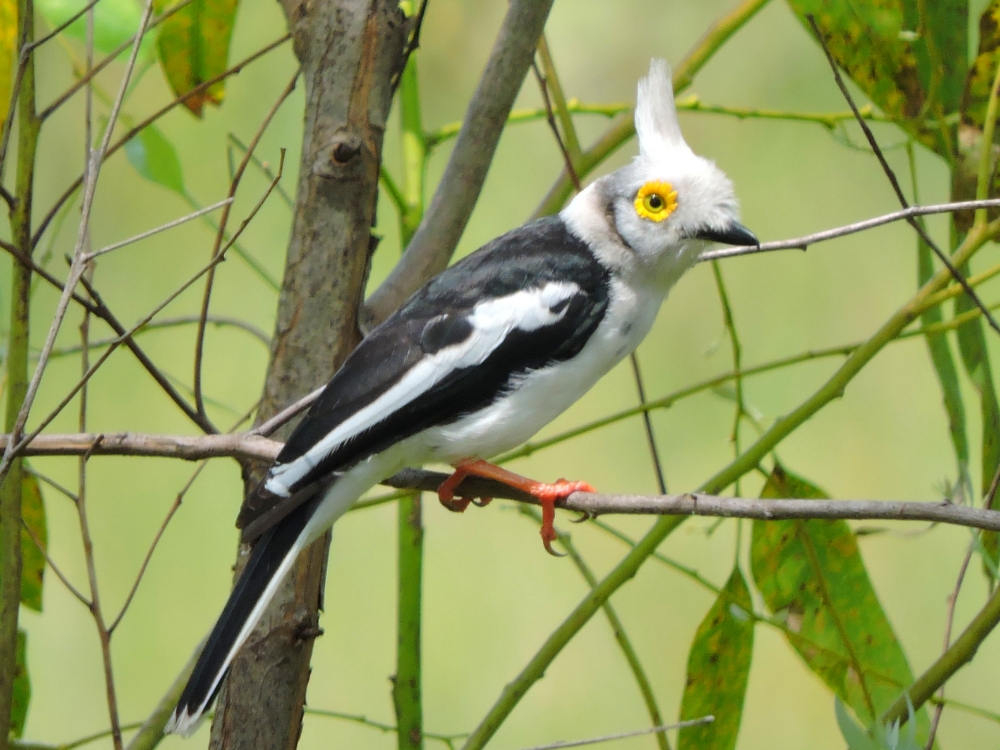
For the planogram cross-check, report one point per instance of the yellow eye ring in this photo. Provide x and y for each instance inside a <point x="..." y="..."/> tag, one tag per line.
<point x="656" y="200"/>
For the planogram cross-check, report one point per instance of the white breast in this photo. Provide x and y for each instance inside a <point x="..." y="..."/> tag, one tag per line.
<point x="539" y="396"/>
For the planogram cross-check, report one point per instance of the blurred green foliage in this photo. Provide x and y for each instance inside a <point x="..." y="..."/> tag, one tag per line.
<point x="855" y="622"/>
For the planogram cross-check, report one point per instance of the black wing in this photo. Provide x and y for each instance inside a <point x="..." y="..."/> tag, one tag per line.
<point x="440" y="319"/>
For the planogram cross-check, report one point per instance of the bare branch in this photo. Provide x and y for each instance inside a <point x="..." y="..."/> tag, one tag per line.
<point x="200" y="88"/>
<point x="188" y="447"/>
<point x="161" y="228"/>
<point x="94" y="163"/>
<point x="247" y="445"/>
<point x="288" y="413"/>
<point x="623" y="735"/>
<point x="449" y="210"/>
<point x="199" y="345"/>
<point x="801" y="243"/>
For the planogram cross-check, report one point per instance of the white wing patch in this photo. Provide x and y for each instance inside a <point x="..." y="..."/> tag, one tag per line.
<point x="492" y="320"/>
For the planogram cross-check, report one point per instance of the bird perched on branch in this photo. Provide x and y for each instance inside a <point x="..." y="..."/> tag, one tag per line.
<point x="483" y="356"/>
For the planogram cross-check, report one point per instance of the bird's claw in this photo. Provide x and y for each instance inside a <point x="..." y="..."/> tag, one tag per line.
<point x="455" y="504"/>
<point x="547" y="495"/>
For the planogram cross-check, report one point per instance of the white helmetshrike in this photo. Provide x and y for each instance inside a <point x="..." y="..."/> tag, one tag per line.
<point x="483" y="356"/>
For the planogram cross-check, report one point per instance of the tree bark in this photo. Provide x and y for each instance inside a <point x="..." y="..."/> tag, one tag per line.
<point x="350" y="51"/>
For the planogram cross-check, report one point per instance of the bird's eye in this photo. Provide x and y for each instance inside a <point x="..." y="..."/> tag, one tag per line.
<point x="656" y="200"/>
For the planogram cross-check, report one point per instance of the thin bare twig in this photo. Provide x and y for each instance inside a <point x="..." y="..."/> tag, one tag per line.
<point x="108" y="59"/>
<point x="199" y="341"/>
<point x="152" y="547"/>
<point x="95" y="160"/>
<point x="942" y="256"/>
<point x="950" y="621"/>
<point x="801" y="243"/>
<point x="15" y="450"/>
<point x="551" y="119"/>
<point x="180" y="320"/>
<point x="647" y="423"/>
<point x="623" y="735"/>
<point x="200" y="88"/>
<point x="65" y="25"/>
<point x="55" y="568"/>
<point x="161" y="228"/>
<point x="288" y="413"/>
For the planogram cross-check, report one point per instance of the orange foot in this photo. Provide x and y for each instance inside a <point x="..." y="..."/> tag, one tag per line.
<point x="547" y="494"/>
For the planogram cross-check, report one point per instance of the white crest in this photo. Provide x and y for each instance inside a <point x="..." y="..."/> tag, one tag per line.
<point x="655" y="115"/>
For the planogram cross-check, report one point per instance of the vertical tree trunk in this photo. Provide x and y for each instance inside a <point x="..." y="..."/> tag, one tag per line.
<point x="350" y="52"/>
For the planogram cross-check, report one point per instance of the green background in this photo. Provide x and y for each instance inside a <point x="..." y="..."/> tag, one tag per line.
<point x="491" y="593"/>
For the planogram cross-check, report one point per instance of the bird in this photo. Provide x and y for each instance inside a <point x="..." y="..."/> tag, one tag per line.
<point x="483" y="356"/>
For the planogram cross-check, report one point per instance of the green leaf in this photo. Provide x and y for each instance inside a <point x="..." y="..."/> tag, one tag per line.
<point x="856" y="737"/>
<point x="911" y="67"/>
<point x="115" y="21"/>
<point x="22" y="686"/>
<point x="941" y="48"/>
<point x="194" y="47"/>
<point x="980" y="78"/>
<point x="718" y="670"/>
<point x="972" y="347"/>
<point x="944" y="367"/>
<point x="156" y="159"/>
<point x="811" y="574"/>
<point x="32" y="558"/>
<point x="8" y="53"/>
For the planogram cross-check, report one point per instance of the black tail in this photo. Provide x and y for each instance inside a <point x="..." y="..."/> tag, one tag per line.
<point x="244" y="607"/>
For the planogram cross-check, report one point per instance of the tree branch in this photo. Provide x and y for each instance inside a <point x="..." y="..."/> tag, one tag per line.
<point x="247" y="445"/>
<point x="444" y="221"/>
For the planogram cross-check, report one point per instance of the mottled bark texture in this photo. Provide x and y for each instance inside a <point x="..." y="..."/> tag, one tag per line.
<point x="350" y="51"/>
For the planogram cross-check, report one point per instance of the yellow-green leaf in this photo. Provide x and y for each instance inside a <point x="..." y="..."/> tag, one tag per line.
<point x="811" y="574"/>
<point x="194" y="48"/>
<point x="888" y="54"/>
<point x="718" y="669"/>
<point x="115" y="21"/>
<point x="22" y="686"/>
<point x="8" y="53"/>
<point x="984" y="67"/>
<point x="156" y="159"/>
<point x="32" y="558"/>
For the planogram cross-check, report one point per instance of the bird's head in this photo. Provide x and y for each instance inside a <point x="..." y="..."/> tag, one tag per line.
<point x="668" y="203"/>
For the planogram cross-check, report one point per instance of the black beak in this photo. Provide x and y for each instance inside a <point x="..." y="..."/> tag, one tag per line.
<point x="734" y="234"/>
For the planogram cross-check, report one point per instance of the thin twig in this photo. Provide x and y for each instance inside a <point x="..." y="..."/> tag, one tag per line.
<point x="623" y="735"/>
<point x="95" y="161"/>
<point x="381" y="726"/>
<point x="413" y="45"/>
<point x="801" y="243"/>
<point x="152" y="547"/>
<point x="55" y="568"/>
<point x="262" y="166"/>
<point x="943" y="257"/>
<point x="181" y="320"/>
<point x="161" y="228"/>
<point x="624" y="642"/>
<point x="199" y="342"/>
<point x="65" y="25"/>
<point x="647" y="422"/>
<point x="551" y="119"/>
<point x="108" y="59"/>
<point x="949" y="622"/>
<point x="288" y="413"/>
<point x="200" y="88"/>
<point x="12" y="452"/>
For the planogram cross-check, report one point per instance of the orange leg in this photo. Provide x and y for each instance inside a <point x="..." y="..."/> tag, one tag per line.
<point x="547" y="494"/>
